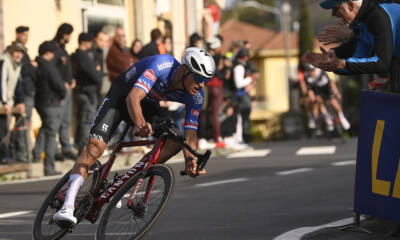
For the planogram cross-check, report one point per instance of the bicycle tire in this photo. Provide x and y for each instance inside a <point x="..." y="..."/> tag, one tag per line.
<point x="37" y="232"/>
<point x="161" y="172"/>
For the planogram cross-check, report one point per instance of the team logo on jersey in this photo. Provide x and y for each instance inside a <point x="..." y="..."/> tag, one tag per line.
<point x="165" y="65"/>
<point x="198" y="99"/>
<point x="149" y="74"/>
<point x="195" y="113"/>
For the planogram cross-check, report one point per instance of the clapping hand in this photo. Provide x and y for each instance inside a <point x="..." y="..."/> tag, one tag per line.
<point x="335" y="34"/>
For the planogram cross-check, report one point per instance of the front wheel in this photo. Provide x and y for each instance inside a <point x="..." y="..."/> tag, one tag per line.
<point x="44" y="228"/>
<point x="137" y="205"/>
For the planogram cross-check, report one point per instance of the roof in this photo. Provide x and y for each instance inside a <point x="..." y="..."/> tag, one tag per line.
<point x="259" y="38"/>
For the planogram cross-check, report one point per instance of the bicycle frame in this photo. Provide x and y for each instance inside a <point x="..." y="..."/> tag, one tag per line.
<point x="145" y="163"/>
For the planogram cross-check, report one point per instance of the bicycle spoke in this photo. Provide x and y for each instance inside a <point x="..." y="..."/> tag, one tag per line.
<point x="134" y="214"/>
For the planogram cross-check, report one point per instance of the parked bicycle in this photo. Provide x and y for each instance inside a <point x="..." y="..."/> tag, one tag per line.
<point x="135" y="199"/>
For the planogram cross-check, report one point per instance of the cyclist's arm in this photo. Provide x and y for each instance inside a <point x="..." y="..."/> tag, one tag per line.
<point x="134" y="109"/>
<point x="191" y="139"/>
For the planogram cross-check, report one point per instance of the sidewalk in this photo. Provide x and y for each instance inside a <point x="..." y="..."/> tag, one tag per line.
<point x="380" y="230"/>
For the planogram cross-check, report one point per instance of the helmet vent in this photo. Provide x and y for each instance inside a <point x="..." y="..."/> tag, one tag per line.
<point x="194" y="64"/>
<point x="204" y="70"/>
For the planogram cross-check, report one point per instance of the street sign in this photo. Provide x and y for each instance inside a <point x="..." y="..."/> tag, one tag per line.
<point x="377" y="189"/>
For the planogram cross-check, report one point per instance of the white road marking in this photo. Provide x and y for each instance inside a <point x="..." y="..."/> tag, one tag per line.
<point x="294" y="171"/>
<point x="344" y="163"/>
<point x="298" y="233"/>
<point x="222" y="182"/>
<point x="325" y="150"/>
<point x="13" y="214"/>
<point x="250" y="153"/>
<point x="31" y="180"/>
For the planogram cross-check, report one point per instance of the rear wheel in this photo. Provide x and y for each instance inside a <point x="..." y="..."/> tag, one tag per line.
<point x="44" y="227"/>
<point x="129" y="215"/>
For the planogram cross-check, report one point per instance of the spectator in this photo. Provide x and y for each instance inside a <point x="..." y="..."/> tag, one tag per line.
<point x="136" y="47"/>
<point x="233" y="49"/>
<point x="195" y="40"/>
<point x="168" y="45"/>
<point x="63" y="61"/>
<point x="215" y="89"/>
<point x="98" y="54"/>
<point x="119" y="58"/>
<point x="241" y="81"/>
<point x="11" y="93"/>
<point x="151" y="48"/>
<point x="51" y="92"/>
<point x="88" y="79"/>
<point x="372" y="49"/>
<point x="28" y="75"/>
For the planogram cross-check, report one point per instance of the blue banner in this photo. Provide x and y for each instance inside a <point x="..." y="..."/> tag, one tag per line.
<point x="377" y="189"/>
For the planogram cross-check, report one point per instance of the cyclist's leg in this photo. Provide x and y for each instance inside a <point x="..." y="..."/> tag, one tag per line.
<point x="106" y="121"/>
<point x="325" y="114"/>
<point x="336" y="105"/>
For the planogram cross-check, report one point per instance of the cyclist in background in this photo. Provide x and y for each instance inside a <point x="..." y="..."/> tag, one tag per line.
<point x="134" y="97"/>
<point x="320" y="89"/>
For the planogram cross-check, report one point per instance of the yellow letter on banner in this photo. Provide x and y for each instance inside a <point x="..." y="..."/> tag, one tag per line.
<point x="396" y="188"/>
<point x="380" y="187"/>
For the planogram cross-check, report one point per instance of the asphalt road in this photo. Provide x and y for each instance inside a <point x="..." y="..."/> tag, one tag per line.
<point x="247" y="197"/>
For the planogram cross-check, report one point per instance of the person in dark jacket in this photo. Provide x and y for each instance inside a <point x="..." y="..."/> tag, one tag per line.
<point x="151" y="48"/>
<point x="28" y="76"/>
<point x="373" y="49"/>
<point x="88" y="80"/>
<point x="50" y="95"/>
<point x="63" y="61"/>
<point x="98" y="54"/>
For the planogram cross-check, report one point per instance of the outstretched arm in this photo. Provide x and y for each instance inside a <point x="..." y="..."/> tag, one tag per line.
<point x="191" y="161"/>
<point x="135" y="112"/>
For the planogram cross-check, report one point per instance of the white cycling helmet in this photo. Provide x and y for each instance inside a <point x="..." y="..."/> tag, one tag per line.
<point x="200" y="62"/>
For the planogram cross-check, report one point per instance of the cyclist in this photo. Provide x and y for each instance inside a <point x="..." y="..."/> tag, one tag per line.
<point x="134" y="97"/>
<point x="321" y="89"/>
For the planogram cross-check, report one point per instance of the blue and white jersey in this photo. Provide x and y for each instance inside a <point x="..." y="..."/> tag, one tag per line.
<point x="154" y="76"/>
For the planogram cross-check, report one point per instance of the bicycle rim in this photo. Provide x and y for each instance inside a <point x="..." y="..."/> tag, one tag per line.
<point x="127" y="218"/>
<point x="44" y="227"/>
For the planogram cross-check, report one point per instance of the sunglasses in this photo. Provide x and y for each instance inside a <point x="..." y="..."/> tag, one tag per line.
<point x="199" y="79"/>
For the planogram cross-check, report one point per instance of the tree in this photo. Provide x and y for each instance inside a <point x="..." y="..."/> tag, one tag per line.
<point x="306" y="33"/>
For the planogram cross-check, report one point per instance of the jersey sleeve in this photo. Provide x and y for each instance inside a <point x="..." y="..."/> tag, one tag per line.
<point x="146" y="80"/>
<point x="153" y="70"/>
<point x="193" y="108"/>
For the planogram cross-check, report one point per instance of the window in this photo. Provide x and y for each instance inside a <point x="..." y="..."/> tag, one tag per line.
<point x="120" y="3"/>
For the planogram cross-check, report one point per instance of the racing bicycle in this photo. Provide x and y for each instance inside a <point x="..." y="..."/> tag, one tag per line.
<point x="133" y="201"/>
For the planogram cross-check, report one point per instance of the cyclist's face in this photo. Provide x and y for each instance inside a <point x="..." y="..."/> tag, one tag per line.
<point x="191" y="85"/>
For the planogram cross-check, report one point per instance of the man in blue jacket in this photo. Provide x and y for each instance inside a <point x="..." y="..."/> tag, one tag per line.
<point x="373" y="49"/>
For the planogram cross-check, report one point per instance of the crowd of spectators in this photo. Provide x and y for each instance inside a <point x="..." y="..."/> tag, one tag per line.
<point x="64" y="87"/>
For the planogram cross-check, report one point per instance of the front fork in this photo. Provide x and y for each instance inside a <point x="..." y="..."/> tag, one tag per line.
<point x="141" y="206"/>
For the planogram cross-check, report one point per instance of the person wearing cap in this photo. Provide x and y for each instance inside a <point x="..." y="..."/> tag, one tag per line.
<point x="28" y="75"/>
<point x="11" y="92"/>
<point x="62" y="38"/>
<point x="88" y="77"/>
<point x="51" y="92"/>
<point x="374" y="49"/>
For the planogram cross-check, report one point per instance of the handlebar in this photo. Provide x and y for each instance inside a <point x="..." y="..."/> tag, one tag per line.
<point x="166" y="127"/>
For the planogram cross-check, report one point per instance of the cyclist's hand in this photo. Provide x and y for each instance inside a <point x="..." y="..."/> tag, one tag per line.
<point x="191" y="168"/>
<point x="144" y="130"/>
